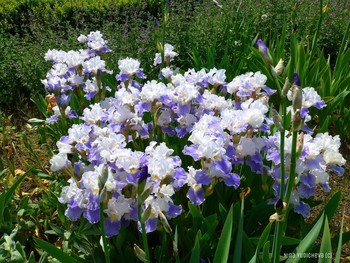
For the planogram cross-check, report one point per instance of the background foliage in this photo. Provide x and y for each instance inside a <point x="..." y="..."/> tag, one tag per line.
<point x="205" y="35"/>
<point x="30" y="27"/>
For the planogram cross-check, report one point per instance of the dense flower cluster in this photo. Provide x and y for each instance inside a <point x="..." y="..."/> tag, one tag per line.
<point x="74" y="70"/>
<point x="124" y="141"/>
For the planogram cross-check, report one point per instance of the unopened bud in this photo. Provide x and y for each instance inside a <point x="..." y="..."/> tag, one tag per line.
<point x="280" y="206"/>
<point x="146" y="192"/>
<point x="277" y="120"/>
<point x="297" y="121"/>
<point x="300" y="143"/>
<point x="297" y="99"/>
<point x="286" y="88"/>
<point x="103" y="195"/>
<point x="140" y="253"/>
<point x="146" y="213"/>
<point x="264" y="51"/>
<point x="296" y="79"/>
<point x="164" y="222"/>
<point x="278" y="69"/>
<point x="102" y="179"/>
<point x="159" y="47"/>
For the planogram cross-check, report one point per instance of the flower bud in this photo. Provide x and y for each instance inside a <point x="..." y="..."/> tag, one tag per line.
<point x="140" y="253"/>
<point x="277" y="120"/>
<point x="278" y="69"/>
<point x="146" y="213"/>
<point x="300" y="143"/>
<point x="146" y="192"/>
<point x="280" y="206"/>
<point x="286" y="88"/>
<point x="297" y="121"/>
<point x="103" y="195"/>
<point x="264" y="51"/>
<point x="296" y="79"/>
<point x="164" y="222"/>
<point x="102" y="179"/>
<point x="297" y="99"/>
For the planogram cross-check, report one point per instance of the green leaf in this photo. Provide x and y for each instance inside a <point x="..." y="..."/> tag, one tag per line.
<point x="54" y="251"/>
<point x="6" y="196"/>
<point x="196" y="250"/>
<point x="262" y="240"/>
<point x="338" y="254"/>
<point x="223" y="248"/>
<point x="195" y="212"/>
<point x="211" y="223"/>
<point x="307" y="242"/>
<point x="289" y="241"/>
<point x="326" y="246"/>
<point x="340" y="98"/>
<point x="248" y="247"/>
<point x="266" y="254"/>
<point x="58" y="230"/>
<point x="238" y="245"/>
<point x="330" y="208"/>
<point x="46" y="176"/>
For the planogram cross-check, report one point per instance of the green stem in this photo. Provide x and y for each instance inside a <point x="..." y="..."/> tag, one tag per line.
<point x="281" y="225"/>
<point x="164" y="9"/>
<point x="144" y="234"/>
<point x="277" y="241"/>
<point x="317" y="33"/>
<point x="292" y="168"/>
<point x="282" y="140"/>
<point x="104" y="239"/>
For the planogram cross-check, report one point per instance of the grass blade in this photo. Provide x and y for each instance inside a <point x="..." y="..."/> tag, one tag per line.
<point x="306" y="244"/>
<point x="196" y="250"/>
<point x="54" y="251"/>
<point x="6" y="196"/>
<point x="262" y="240"/>
<point x="326" y="246"/>
<point x="330" y="208"/>
<point x="238" y="246"/>
<point x="338" y="254"/>
<point x="223" y="248"/>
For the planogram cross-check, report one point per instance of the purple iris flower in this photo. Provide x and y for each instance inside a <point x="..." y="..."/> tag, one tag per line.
<point x="309" y="180"/>
<point x="305" y="191"/>
<point x="150" y="225"/>
<point x="192" y="151"/>
<point x="233" y="180"/>
<point x="63" y="100"/>
<point x="111" y="227"/>
<point x="92" y="213"/>
<point x="122" y="77"/>
<point x="296" y="79"/>
<point x="196" y="196"/>
<point x="224" y="165"/>
<point x="262" y="47"/>
<point x="174" y="211"/>
<point x="73" y="211"/>
<point x="302" y="209"/>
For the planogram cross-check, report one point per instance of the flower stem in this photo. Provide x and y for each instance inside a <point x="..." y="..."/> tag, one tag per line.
<point x="144" y="234"/>
<point x="292" y="168"/>
<point x="103" y="232"/>
<point x="281" y="225"/>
